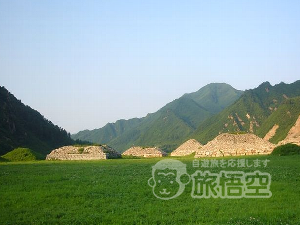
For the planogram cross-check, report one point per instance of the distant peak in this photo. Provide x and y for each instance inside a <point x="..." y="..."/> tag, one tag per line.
<point x="216" y="84"/>
<point x="265" y="85"/>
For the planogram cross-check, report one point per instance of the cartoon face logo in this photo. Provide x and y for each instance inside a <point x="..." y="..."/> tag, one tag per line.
<point x="168" y="179"/>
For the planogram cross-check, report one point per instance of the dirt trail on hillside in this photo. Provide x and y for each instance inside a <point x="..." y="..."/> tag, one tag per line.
<point x="271" y="132"/>
<point x="293" y="135"/>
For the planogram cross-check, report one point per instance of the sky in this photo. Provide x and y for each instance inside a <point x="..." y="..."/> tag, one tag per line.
<point x="83" y="64"/>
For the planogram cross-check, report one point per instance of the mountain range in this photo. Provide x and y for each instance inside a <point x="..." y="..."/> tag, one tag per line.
<point x="267" y="111"/>
<point x="170" y="125"/>
<point x="216" y="108"/>
<point x="256" y="111"/>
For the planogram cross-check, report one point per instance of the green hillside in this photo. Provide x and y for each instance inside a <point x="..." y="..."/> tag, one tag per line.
<point x="251" y="111"/>
<point x="285" y="117"/>
<point x="23" y="126"/>
<point x="166" y="132"/>
<point x="108" y="132"/>
<point x="170" y="125"/>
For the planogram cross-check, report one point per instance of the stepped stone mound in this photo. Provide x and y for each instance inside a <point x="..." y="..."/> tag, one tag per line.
<point x="235" y="145"/>
<point x="187" y="148"/>
<point x="144" y="152"/>
<point x="293" y="135"/>
<point x="83" y="153"/>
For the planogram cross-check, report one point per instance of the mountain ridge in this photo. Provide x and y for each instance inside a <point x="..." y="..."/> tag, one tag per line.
<point x="249" y="112"/>
<point x="172" y="123"/>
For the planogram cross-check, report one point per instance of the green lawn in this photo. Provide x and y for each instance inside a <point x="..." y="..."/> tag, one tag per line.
<point x="117" y="192"/>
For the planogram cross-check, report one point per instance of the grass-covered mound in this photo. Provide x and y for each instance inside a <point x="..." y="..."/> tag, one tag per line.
<point x="21" y="154"/>
<point x="2" y="160"/>
<point x="287" y="149"/>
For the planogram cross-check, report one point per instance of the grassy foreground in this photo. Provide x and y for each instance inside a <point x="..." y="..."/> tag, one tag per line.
<point x="117" y="192"/>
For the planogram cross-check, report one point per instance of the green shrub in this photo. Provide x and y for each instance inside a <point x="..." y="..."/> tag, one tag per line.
<point x="287" y="149"/>
<point x="22" y="154"/>
<point x="80" y="150"/>
<point x="86" y="145"/>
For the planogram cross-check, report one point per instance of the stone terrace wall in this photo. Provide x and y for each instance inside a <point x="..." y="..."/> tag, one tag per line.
<point x="144" y="152"/>
<point x="78" y="157"/>
<point x="187" y="148"/>
<point x="89" y="153"/>
<point x="235" y="145"/>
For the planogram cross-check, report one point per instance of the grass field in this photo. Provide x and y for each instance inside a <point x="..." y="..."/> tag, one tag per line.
<point x="117" y="192"/>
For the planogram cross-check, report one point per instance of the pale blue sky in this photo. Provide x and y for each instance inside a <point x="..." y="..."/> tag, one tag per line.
<point x="85" y="63"/>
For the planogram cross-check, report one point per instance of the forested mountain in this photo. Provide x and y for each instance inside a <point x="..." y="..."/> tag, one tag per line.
<point x="108" y="132"/>
<point x="257" y="111"/>
<point x="22" y="126"/>
<point x="169" y="126"/>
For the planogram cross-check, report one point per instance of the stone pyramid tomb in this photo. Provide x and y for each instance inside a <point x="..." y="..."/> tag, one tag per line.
<point x="235" y="145"/>
<point x="144" y="152"/>
<point x="187" y="148"/>
<point x="83" y="153"/>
